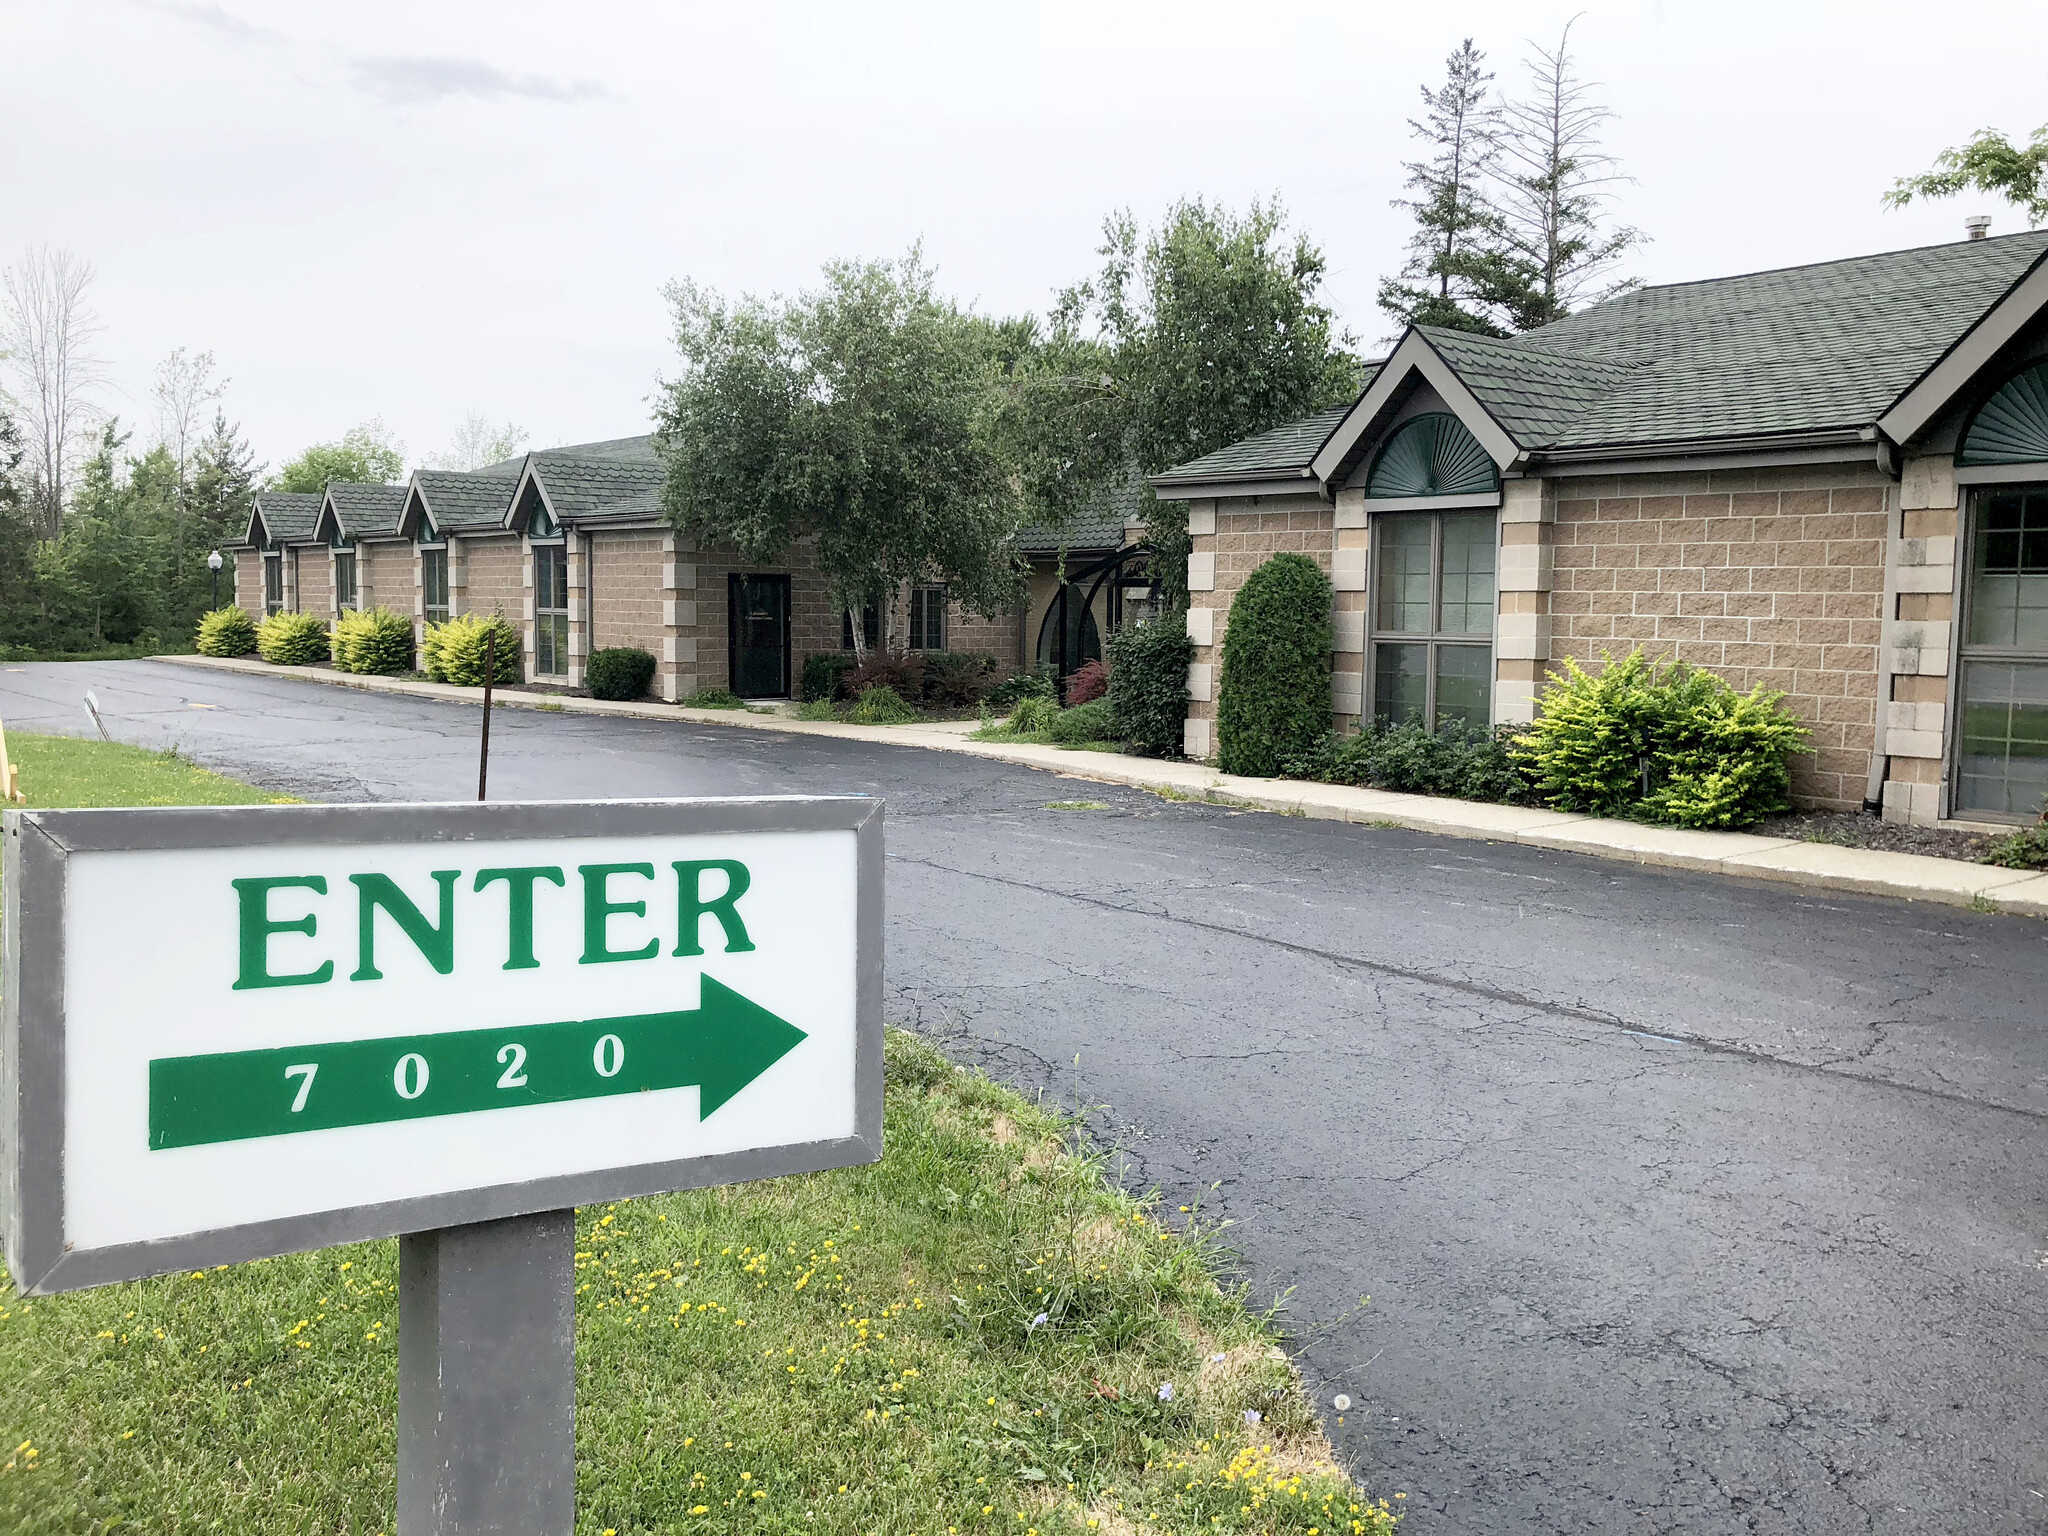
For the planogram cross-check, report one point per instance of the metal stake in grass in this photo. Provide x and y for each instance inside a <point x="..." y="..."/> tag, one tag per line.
<point x="483" y="756"/>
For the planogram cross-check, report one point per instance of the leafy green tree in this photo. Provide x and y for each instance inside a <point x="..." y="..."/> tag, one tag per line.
<point x="1552" y="251"/>
<point x="366" y="454"/>
<point x="1991" y="163"/>
<point x="1212" y="330"/>
<point x="1454" y="273"/>
<point x="864" y="416"/>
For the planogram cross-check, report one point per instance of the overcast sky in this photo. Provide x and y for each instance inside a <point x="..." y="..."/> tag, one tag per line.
<point x="418" y="210"/>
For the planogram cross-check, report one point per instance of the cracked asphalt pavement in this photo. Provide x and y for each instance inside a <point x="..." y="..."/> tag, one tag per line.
<point x="1684" y="1203"/>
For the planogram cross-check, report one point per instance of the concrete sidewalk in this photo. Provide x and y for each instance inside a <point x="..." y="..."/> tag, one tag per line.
<point x="1821" y="865"/>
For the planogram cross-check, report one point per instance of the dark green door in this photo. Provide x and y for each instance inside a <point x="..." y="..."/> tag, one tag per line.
<point x="758" y="626"/>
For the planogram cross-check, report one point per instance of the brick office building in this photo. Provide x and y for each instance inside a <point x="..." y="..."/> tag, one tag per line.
<point x="1831" y="479"/>
<point x="572" y="544"/>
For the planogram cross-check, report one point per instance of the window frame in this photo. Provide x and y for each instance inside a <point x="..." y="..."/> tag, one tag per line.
<point x="430" y="611"/>
<point x="922" y="597"/>
<point x="346" y="553"/>
<point x="1435" y="638"/>
<point x="1962" y="652"/>
<point x="547" y="553"/>
<point x="273" y="582"/>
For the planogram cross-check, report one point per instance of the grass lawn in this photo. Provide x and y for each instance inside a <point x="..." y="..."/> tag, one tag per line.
<point x="71" y="771"/>
<point x="979" y="1334"/>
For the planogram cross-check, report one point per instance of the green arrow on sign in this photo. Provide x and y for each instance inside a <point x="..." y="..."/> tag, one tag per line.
<point x="719" y="1047"/>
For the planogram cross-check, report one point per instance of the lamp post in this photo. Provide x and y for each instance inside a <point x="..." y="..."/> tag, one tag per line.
<point x="213" y="565"/>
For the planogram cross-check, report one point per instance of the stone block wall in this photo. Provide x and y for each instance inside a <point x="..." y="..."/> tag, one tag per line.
<point x="249" y="583"/>
<point x="385" y="575"/>
<point x="1914" y="684"/>
<point x="626" y="593"/>
<point x="1232" y="538"/>
<point x="310" y="568"/>
<point x="494" y="575"/>
<point x="1772" y="576"/>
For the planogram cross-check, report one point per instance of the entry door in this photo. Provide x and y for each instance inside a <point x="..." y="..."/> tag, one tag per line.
<point x="758" y="626"/>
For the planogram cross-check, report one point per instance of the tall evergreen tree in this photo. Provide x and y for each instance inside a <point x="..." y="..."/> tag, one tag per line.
<point x="221" y="491"/>
<point x="1454" y="273"/>
<point x="1552" y="251"/>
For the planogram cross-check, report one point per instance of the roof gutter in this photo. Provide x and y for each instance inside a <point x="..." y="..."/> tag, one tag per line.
<point x="1301" y="481"/>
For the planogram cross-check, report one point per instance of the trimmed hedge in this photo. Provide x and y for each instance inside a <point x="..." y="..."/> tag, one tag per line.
<point x="619" y="672"/>
<point x="454" y="652"/>
<point x="1148" y="684"/>
<point x="225" y="632"/>
<point x="1275" y="699"/>
<point x="1678" y="745"/>
<point x="291" y="639"/>
<point x="374" y="640"/>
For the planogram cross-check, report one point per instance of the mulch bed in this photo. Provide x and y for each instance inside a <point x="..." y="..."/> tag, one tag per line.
<point x="1852" y="829"/>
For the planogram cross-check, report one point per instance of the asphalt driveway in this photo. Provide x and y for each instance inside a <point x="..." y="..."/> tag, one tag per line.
<point x="1684" y="1203"/>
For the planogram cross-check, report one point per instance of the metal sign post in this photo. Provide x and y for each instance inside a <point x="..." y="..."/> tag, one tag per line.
<point x="231" y="1033"/>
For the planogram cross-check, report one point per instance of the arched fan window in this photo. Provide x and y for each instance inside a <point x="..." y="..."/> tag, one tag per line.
<point x="2012" y="426"/>
<point x="1433" y="455"/>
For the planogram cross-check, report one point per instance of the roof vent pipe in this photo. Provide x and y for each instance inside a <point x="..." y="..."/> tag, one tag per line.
<point x="1978" y="224"/>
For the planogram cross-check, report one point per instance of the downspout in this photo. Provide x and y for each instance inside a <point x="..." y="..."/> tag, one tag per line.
<point x="1894" y="530"/>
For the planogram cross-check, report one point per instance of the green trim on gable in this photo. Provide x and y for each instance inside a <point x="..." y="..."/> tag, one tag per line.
<point x="1432" y="455"/>
<point x="2012" y="426"/>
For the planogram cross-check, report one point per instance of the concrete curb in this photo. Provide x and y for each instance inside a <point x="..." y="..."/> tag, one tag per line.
<point x="1822" y="866"/>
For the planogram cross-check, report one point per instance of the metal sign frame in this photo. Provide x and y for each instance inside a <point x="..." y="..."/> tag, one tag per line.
<point x="37" y="848"/>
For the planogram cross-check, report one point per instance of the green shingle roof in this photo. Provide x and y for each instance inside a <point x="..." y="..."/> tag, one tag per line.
<point x="1283" y="448"/>
<point x="458" y="499"/>
<point x="589" y="481"/>
<point x="288" y="515"/>
<point x="1097" y="526"/>
<point x="1800" y="349"/>
<point x="367" y="511"/>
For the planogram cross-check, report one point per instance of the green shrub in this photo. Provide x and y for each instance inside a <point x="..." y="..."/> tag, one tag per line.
<point x="714" y="698"/>
<point x="291" y="639"/>
<point x="2024" y="849"/>
<point x="1035" y="684"/>
<point x="1677" y="746"/>
<point x="1458" y="760"/>
<point x="1148" y="684"/>
<point x="821" y="675"/>
<point x="818" y="709"/>
<point x="1034" y="714"/>
<point x="224" y="632"/>
<point x="1083" y="723"/>
<point x="619" y="672"/>
<point x="374" y="640"/>
<point x="881" y="705"/>
<point x="1275" y="698"/>
<point x="454" y="652"/>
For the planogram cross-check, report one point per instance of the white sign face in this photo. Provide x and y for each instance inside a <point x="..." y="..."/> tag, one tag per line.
<point x="310" y="1036"/>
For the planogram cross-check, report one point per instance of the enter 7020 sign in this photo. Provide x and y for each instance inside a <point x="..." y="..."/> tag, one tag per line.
<point x="232" y="1033"/>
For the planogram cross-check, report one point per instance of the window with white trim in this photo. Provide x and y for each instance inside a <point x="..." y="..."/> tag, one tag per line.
<point x="434" y="582"/>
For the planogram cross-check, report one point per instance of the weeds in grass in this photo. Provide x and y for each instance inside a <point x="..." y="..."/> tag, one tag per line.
<point x="1077" y="805"/>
